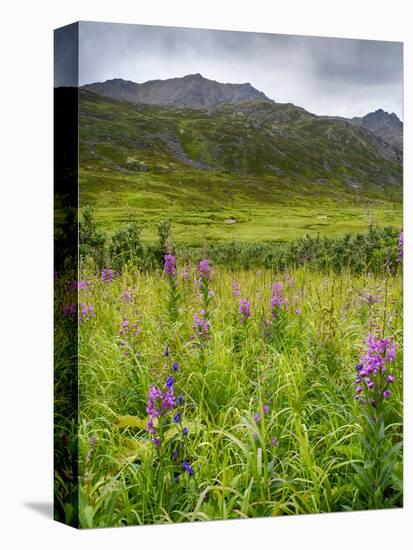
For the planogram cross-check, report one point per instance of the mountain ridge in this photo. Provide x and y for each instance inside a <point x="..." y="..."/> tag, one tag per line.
<point x="193" y="91"/>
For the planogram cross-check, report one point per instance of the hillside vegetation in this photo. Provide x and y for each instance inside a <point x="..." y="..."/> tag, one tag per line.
<point x="249" y="170"/>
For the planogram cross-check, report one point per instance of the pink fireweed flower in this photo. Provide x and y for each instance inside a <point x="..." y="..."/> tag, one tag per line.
<point x="245" y="310"/>
<point x="169" y="265"/>
<point x="79" y="285"/>
<point x="126" y="297"/>
<point x="160" y="403"/>
<point x="204" y="268"/>
<point x="107" y="275"/>
<point x="83" y="312"/>
<point x="400" y="248"/>
<point x="186" y="274"/>
<point x="278" y="301"/>
<point x="236" y="291"/>
<point x="201" y="327"/>
<point x="372" y="378"/>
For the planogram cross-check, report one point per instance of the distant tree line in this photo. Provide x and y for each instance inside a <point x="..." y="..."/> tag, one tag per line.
<point x="375" y="250"/>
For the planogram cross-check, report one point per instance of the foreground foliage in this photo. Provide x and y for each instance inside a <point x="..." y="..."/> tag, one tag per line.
<point x="208" y="393"/>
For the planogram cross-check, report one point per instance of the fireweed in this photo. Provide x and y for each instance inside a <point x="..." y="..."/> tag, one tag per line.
<point x="201" y="330"/>
<point x="204" y="272"/>
<point x="82" y="313"/>
<point x="107" y="275"/>
<point x="400" y="248"/>
<point x="279" y="314"/>
<point x="166" y="410"/>
<point x="373" y="391"/>
<point x="173" y="290"/>
<point x="245" y="310"/>
<point x="79" y="285"/>
<point x="236" y="291"/>
<point x="127" y="334"/>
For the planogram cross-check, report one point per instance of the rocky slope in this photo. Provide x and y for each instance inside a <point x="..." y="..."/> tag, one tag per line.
<point x="192" y="91"/>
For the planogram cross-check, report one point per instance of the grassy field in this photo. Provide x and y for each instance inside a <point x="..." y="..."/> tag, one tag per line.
<point x="268" y="423"/>
<point x="211" y="208"/>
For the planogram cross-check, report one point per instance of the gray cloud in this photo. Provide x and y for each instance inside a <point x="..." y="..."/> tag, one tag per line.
<point x="324" y="75"/>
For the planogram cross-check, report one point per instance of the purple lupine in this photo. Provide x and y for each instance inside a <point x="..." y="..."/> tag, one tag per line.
<point x="185" y="431"/>
<point x="245" y="310"/>
<point x="372" y="377"/>
<point x="274" y="441"/>
<point x="400" y="248"/>
<point x="169" y="265"/>
<point x="204" y="269"/>
<point x="175" y="367"/>
<point x="107" y="275"/>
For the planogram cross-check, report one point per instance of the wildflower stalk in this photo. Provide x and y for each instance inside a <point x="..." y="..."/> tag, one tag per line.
<point x="173" y="290"/>
<point x="379" y="456"/>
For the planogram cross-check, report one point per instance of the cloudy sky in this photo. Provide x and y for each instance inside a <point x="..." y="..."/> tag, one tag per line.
<point x="329" y="76"/>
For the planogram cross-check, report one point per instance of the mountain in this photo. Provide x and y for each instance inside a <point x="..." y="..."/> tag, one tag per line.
<point x="250" y="169"/>
<point x="256" y="138"/>
<point x="193" y="91"/>
<point x="387" y="126"/>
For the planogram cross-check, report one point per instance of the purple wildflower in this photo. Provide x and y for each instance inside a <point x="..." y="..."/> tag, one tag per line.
<point x="187" y="468"/>
<point x="204" y="269"/>
<point x="278" y="301"/>
<point x="180" y="399"/>
<point x="169" y="265"/>
<point x="169" y="382"/>
<point x="83" y="312"/>
<point x="126" y="297"/>
<point x="274" y="441"/>
<point x="236" y="291"/>
<point x="107" y="275"/>
<point x="266" y="409"/>
<point x="175" y="367"/>
<point x="245" y="310"/>
<point x="185" y="274"/>
<point x="372" y="373"/>
<point x="177" y="418"/>
<point x="159" y="404"/>
<point x="400" y="248"/>
<point x="185" y="431"/>
<point x="79" y="285"/>
<point x="201" y="326"/>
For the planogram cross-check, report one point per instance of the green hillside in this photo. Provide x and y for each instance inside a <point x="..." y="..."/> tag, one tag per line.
<point x="249" y="170"/>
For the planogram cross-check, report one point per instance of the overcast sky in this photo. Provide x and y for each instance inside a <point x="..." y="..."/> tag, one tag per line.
<point x="329" y="76"/>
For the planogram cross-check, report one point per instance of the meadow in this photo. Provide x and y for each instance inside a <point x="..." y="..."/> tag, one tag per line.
<point x="212" y="393"/>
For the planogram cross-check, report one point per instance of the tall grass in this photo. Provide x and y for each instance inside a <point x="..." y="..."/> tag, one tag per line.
<point x="273" y="427"/>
